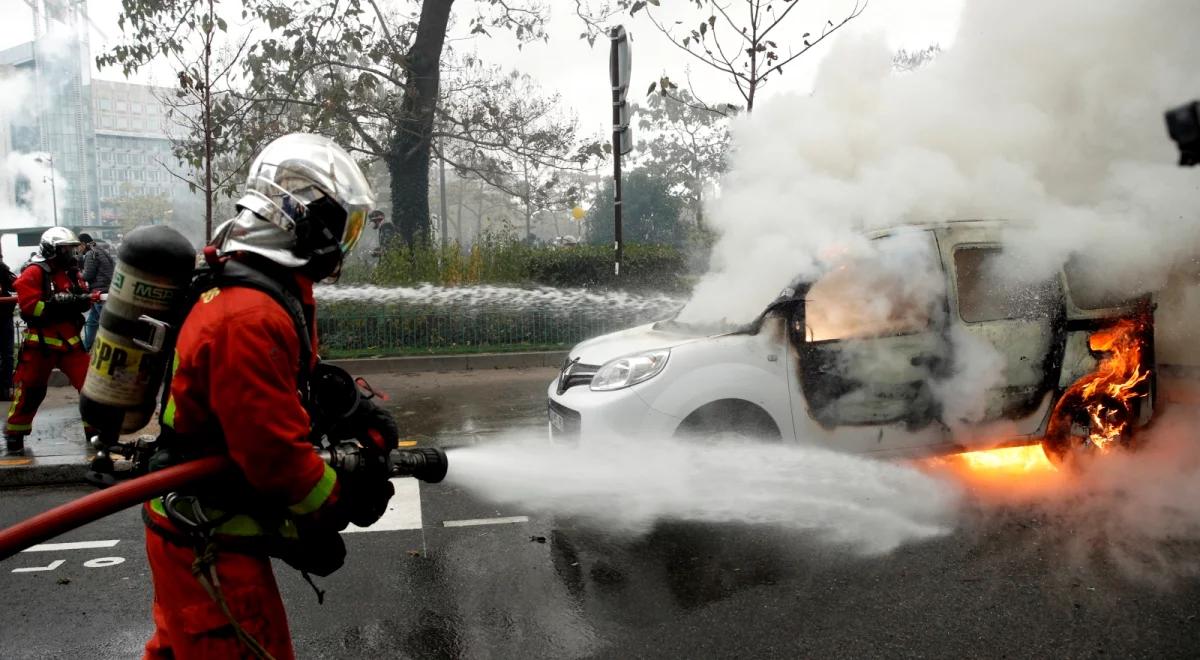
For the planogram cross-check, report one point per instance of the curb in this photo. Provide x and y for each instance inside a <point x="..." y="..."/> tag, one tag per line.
<point x="17" y="476"/>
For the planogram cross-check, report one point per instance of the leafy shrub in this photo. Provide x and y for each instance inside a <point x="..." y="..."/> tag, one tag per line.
<point x="500" y="260"/>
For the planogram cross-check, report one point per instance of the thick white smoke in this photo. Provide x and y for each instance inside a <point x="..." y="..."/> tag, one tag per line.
<point x="1049" y="114"/>
<point x="38" y="197"/>
<point x="29" y="186"/>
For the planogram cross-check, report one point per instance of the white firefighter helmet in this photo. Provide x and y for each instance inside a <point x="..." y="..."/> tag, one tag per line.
<point x="57" y="241"/>
<point x="293" y="178"/>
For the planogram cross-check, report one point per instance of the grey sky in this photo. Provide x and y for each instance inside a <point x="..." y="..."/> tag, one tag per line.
<point x="568" y="66"/>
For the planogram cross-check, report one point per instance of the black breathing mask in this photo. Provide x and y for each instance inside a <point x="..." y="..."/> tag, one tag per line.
<point x="319" y="237"/>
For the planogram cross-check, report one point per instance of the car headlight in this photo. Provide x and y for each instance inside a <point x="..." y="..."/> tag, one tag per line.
<point x="629" y="370"/>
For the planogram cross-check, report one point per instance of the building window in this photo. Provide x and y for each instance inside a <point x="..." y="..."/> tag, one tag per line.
<point x="135" y="108"/>
<point x="105" y="104"/>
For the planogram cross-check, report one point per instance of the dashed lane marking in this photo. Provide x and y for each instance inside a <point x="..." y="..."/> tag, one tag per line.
<point x="76" y="545"/>
<point x="403" y="510"/>
<point x="485" y="521"/>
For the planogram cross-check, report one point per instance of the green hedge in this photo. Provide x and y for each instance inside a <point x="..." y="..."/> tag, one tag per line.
<point x="496" y="261"/>
<point x="644" y="267"/>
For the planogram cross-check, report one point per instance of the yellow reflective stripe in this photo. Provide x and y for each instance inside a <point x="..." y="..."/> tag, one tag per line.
<point x="39" y="308"/>
<point x="156" y="506"/>
<point x="168" y="416"/>
<point x="317" y="496"/>
<point x="10" y="427"/>
<point x="50" y="341"/>
<point x="169" y="412"/>
<point x="12" y="407"/>
<point x="238" y="525"/>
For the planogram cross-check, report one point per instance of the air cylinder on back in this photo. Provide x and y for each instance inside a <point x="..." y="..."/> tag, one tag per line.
<point x="138" y="326"/>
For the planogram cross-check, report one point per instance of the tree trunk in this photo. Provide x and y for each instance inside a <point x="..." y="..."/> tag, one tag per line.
<point x="408" y="160"/>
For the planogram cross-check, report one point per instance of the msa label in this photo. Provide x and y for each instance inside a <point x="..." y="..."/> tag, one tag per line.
<point x="151" y="292"/>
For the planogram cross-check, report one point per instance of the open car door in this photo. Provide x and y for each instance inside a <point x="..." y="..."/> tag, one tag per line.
<point x="997" y="307"/>
<point x="868" y="341"/>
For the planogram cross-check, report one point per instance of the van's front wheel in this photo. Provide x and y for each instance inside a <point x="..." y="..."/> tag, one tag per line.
<point x="729" y="419"/>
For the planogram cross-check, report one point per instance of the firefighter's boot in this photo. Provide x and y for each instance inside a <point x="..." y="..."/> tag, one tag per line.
<point x="14" y="445"/>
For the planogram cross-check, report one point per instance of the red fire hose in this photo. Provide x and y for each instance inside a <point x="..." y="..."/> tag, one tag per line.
<point x="106" y="502"/>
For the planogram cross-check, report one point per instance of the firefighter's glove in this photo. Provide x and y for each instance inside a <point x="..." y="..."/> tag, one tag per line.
<point x="64" y="305"/>
<point x="363" y="473"/>
<point x="375" y="427"/>
<point x="367" y="499"/>
<point x="95" y="296"/>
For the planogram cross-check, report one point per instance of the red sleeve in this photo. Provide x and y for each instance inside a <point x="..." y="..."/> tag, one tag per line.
<point x="29" y="290"/>
<point x="252" y="391"/>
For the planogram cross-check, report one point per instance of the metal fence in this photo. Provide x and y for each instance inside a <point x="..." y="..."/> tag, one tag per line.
<point x="388" y="332"/>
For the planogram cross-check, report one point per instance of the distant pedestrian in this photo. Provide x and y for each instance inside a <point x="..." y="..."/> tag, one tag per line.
<point x="389" y="236"/>
<point x="97" y="272"/>
<point x="7" y="347"/>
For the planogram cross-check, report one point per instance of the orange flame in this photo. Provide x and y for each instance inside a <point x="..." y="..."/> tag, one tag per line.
<point x="1109" y="391"/>
<point x="1004" y="461"/>
<point x="1009" y="460"/>
<point x="1106" y="395"/>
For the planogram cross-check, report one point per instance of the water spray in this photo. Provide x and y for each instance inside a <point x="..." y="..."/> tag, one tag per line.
<point x="501" y="297"/>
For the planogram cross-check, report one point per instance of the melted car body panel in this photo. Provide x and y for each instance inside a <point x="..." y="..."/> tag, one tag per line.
<point x="865" y="357"/>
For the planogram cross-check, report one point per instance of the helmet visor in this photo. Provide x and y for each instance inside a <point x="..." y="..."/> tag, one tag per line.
<point x="355" y="223"/>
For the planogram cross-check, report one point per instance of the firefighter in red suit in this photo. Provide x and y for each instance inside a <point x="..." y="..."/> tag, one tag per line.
<point x="244" y="358"/>
<point x="52" y="299"/>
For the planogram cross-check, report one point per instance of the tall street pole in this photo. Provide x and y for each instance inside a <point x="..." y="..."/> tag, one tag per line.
<point x="618" y="73"/>
<point x="53" y="193"/>
<point x="616" y="140"/>
<point x="49" y="160"/>
<point x="443" y="231"/>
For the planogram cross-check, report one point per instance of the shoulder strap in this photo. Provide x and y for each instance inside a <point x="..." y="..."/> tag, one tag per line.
<point x="237" y="273"/>
<point x="47" y="276"/>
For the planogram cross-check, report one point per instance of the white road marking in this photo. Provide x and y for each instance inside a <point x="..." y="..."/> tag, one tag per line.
<point x="485" y="521"/>
<point x="34" y="569"/>
<point x="403" y="511"/>
<point x="77" y="545"/>
<point x="103" y="562"/>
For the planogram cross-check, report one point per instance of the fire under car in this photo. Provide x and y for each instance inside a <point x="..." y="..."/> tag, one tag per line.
<point x="918" y="346"/>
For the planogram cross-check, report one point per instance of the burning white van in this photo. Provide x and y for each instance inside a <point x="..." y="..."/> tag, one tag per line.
<point x="918" y="347"/>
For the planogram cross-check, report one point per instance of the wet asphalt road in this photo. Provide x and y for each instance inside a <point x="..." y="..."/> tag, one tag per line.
<point x="1003" y="585"/>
